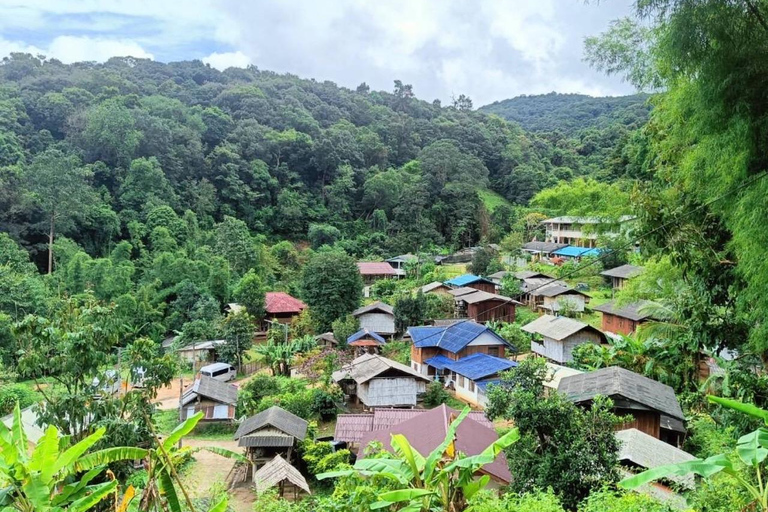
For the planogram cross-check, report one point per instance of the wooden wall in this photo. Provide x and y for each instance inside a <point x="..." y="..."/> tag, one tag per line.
<point x="483" y="286"/>
<point x="617" y="324"/>
<point x="644" y="421"/>
<point x="491" y="310"/>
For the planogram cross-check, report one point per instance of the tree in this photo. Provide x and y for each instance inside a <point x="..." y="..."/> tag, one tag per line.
<point x="250" y="294"/>
<point x="145" y="187"/>
<point x="410" y="311"/>
<point x="484" y="259"/>
<point x="344" y="327"/>
<point x="332" y="287"/>
<point x="238" y="332"/>
<point x="443" y="480"/>
<point x="571" y="450"/>
<point x="462" y="102"/>
<point x="323" y="234"/>
<point x="59" y="186"/>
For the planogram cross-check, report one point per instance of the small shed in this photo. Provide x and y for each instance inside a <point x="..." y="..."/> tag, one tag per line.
<point x="472" y="281"/>
<point x="380" y="382"/>
<point x="653" y="406"/>
<point x="399" y="263"/>
<point x="623" y="319"/>
<point x="366" y="342"/>
<point x="216" y="399"/>
<point x="555" y="337"/>
<point x="271" y="432"/>
<point x="435" y="287"/>
<point x="483" y="307"/>
<point x="327" y="339"/>
<point x="555" y="298"/>
<point x="200" y="351"/>
<point x="279" y="473"/>
<point x="620" y="275"/>
<point x="377" y="317"/>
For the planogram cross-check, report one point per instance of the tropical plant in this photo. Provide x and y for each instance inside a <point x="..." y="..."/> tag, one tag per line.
<point x="442" y="481"/>
<point x="745" y="466"/>
<point x="279" y="356"/>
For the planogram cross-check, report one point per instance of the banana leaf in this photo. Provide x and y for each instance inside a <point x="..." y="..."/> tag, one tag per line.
<point x="705" y="468"/>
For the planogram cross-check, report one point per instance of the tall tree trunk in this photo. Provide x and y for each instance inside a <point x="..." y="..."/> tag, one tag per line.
<point x="50" y="244"/>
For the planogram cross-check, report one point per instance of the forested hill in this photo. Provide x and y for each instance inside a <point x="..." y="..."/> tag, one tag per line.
<point x="97" y="150"/>
<point x="571" y="113"/>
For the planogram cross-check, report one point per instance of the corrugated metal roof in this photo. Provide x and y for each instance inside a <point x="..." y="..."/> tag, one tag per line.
<point x="434" y="285"/>
<point x="478" y="366"/>
<point x="278" y="470"/>
<point x="276" y="417"/>
<point x="545" y="247"/>
<point x="265" y="441"/>
<point x="557" y="327"/>
<point x="554" y="290"/>
<point x="556" y="373"/>
<point x="529" y="274"/>
<point x="466" y="279"/>
<point x="464" y="290"/>
<point x="452" y="338"/>
<point x="439" y="361"/>
<point x="368" y="366"/>
<point x="208" y="387"/>
<point x="481" y="296"/>
<point x="351" y="427"/>
<point x="648" y="452"/>
<point x="281" y="302"/>
<point x="623" y="271"/>
<point x="576" y="252"/>
<point x="569" y="219"/>
<point x="365" y="334"/>
<point x="616" y="381"/>
<point x="376" y="306"/>
<point x="633" y="311"/>
<point x="375" y="268"/>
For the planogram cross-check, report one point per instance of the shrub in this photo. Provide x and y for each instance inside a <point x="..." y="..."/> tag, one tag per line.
<point x="436" y="395"/>
<point x="607" y="500"/>
<point x="324" y="404"/>
<point x="12" y="393"/>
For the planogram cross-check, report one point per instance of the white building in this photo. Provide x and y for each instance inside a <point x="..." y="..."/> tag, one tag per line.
<point x="378" y="317"/>
<point x="555" y="337"/>
<point x="583" y="231"/>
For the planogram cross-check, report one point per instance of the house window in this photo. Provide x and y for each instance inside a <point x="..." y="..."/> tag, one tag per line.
<point x="493" y="351"/>
<point x="471" y="386"/>
<point x="461" y="381"/>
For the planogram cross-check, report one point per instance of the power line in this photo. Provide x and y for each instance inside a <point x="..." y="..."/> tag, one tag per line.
<point x="599" y="259"/>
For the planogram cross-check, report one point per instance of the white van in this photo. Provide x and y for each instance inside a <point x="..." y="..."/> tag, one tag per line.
<point x="219" y="371"/>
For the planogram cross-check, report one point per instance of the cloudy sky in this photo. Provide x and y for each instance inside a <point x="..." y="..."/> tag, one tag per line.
<point x="487" y="49"/>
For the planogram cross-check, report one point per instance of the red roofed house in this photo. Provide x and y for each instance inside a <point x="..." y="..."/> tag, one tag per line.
<point x="372" y="271"/>
<point x="281" y="307"/>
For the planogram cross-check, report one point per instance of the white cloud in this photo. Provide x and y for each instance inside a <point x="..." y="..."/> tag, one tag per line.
<point x="222" y="61"/>
<point x="70" y="49"/>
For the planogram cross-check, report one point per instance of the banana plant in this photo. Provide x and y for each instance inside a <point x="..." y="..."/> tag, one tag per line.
<point x="443" y="480"/>
<point x="751" y="451"/>
<point x="57" y="475"/>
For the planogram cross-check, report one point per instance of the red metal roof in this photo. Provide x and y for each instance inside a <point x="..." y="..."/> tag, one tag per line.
<point x="375" y="268"/>
<point x="281" y="302"/>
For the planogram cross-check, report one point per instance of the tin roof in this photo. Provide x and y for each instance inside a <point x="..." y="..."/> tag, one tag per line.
<point x="466" y="279"/>
<point x="453" y="337"/>
<point x="281" y="302"/>
<point x="276" y="417"/>
<point x="376" y="306"/>
<point x="623" y="271"/>
<point x="375" y="268"/>
<point x="208" y="387"/>
<point x="365" y="334"/>
<point x="557" y="327"/>
<point x="368" y="366"/>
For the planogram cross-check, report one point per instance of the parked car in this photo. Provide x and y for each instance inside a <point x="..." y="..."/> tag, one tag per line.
<point x="219" y="371"/>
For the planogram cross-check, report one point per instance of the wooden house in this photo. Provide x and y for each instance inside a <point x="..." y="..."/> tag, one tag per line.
<point x="200" y="351"/>
<point x="653" y="406"/>
<point x="366" y="342"/>
<point x="281" y="307"/>
<point x="555" y="337"/>
<point x="271" y="432"/>
<point x="376" y="381"/>
<point x="372" y="271"/>
<point x="623" y="319"/>
<point x="436" y="287"/>
<point x="452" y="342"/>
<point x="620" y="275"/>
<point x="483" y="307"/>
<point x="377" y="317"/>
<point x="530" y="288"/>
<point x="472" y="281"/>
<point x="555" y="298"/>
<point x="541" y="250"/>
<point x="279" y="473"/>
<point x="216" y="399"/>
<point x="428" y="429"/>
<point x="326" y="339"/>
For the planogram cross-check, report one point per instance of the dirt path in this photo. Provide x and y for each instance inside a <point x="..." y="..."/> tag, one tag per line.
<point x="210" y="469"/>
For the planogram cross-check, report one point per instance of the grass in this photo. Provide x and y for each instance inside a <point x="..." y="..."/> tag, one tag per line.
<point x="455" y="269"/>
<point x="491" y="200"/>
<point x="166" y="421"/>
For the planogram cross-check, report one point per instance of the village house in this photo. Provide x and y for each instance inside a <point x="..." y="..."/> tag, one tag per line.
<point x="376" y="381"/>
<point x="472" y="281"/>
<point x="269" y="433"/>
<point x="436" y="287"/>
<point x="214" y="398"/>
<point x="556" y="373"/>
<point x="531" y="286"/>
<point x="398" y="263"/>
<point x="426" y="431"/>
<point x="555" y="298"/>
<point x="484" y="307"/>
<point x="471" y="375"/>
<point x="366" y="342"/>
<point x="452" y="342"/>
<point x="372" y="271"/>
<point x="583" y="231"/>
<point x="652" y="406"/>
<point x="281" y="307"/>
<point x="350" y="428"/>
<point x="555" y="337"/>
<point x="377" y="317"/>
<point x="623" y="319"/>
<point x="541" y="250"/>
<point x="498" y="277"/>
<point x="326" y="339"/>
<point x="571" y="252"/>
<point x="194" y="352"/>
<point x="620" y="275"/>
<point x="639" y="451"/>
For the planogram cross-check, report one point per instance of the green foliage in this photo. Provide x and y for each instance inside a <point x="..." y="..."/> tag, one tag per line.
<point x="238" y="333"/>
<point x="435" y="395"/>
<point x="250" y="294"/>
<point x="320" y="457"/>
<point x="607" y="500"/>
<point x="344" y="327"/>
<point x="332" y="287"/>
<point x="399" y="351"/>
<point x="485" y="261"/>
<point x="537" y="501"/>
<point x="410" y="310"/>
<point x="12" y="394"/>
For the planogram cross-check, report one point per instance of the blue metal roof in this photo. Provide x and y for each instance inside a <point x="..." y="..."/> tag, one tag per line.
<point x="365" y="333"/>
<point x="439" y="361"/>
<point x="576" y="252"/>
<point x="483" y="384"/>
<point x="477" y="366"/>
<point x="452" y="338"/>
<point x="467" y="279"/>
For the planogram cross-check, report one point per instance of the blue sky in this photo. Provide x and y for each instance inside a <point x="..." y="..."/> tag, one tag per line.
<point x="487" y="49"/>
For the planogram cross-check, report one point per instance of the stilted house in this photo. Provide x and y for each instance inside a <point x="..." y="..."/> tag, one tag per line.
<point x="271" y="432"/>
<point x="620" y="275"/>
<point x="366" y="342"/>
<point x="485" y="307"/>
<point x="555" y="337"/>
<point x="216" y="399"/>
<point x="279" y="473"/>
<point x="377" y="317"/>
<point x="653" y="406"/>
<point x="376" y="381"/>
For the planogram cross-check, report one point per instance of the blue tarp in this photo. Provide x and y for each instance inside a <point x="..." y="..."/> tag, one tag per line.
<point x="572" y="251"/>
